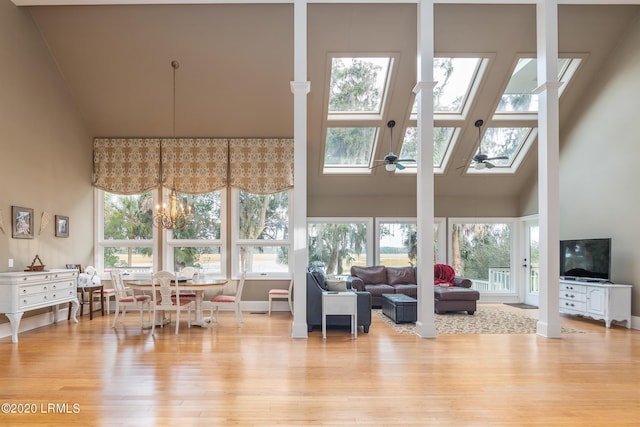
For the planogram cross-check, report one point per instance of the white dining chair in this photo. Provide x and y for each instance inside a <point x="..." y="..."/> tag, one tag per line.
<point x="281" y="294"/>
<point x="125" y="299"/>
<point x="229" y="301"/>
<point x="167" y="298"/>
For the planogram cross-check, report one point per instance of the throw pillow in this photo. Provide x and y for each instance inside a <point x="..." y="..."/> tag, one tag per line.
<point x="337" y="285"/>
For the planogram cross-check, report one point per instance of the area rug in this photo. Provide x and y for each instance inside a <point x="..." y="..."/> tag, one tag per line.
<point x="484" y="321"/>
<point x="521" y="305"/>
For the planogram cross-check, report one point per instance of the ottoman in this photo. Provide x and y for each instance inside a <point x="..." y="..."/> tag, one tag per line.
<point x="454" y="298"/>
<point x="400" y="308"/>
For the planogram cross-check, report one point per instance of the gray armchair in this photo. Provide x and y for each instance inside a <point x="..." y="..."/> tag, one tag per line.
<point x="316" y="285"/>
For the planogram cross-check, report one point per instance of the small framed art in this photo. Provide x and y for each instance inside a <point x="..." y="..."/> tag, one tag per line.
<point x="62" y="226"/>
<point x="21" y="223"/>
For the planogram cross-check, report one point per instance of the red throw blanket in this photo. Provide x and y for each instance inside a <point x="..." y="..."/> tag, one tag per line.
<point x="443" y="275"/>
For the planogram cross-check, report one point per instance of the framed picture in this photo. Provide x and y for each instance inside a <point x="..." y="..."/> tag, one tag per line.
<point x="21" y="223"/>
<point x="62" y="226"/>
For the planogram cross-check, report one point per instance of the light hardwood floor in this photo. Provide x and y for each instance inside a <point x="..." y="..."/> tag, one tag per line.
<point x="258" y="376"/>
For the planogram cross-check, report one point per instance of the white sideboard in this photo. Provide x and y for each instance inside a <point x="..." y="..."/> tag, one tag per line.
<point x="24" y="291"/>
<point x="601" y="301"/>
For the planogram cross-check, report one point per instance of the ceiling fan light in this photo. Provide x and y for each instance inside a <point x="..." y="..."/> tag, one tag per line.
<point x="390" y="167"/>
<point x="480" y="165"/>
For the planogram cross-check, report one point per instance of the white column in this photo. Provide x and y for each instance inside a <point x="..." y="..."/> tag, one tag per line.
<point x="300" y="88"/>
<point x="548" y="168"/>
<point x="425" y="325"/>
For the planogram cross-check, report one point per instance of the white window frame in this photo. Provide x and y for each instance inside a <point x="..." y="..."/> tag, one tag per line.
<point x="171" y="243"/>
<point x="441" y="235"/>
<point x="515" y="230"/>
<point x="349" y="220"/>
<point x="101" y="243"/>
<point x="236" y="242"/>
<point x="390" y="220"/>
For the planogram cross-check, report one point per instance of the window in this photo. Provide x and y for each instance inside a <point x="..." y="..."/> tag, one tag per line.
<point x="125" y="231"/>
<point x="519" y="96"/>
<point x="482" y="251"/>
<point x="457" y="79"/>
<point x="261" y="234"/>
<point x="358" y="86"/>
<point x="200" y="245"/>
<point x="443" y="138"/>
<point x="398" y="244"/>
<point x="335" y="244"/>
<point x="349" y="148"/>
<point x="511" y="143"/>
<point x="356" y="99"/>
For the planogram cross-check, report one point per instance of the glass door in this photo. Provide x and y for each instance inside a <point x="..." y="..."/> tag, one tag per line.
<point x="531" y="263"/>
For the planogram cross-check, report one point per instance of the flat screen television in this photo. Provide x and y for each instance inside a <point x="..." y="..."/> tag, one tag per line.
<point x="586" y="259"/>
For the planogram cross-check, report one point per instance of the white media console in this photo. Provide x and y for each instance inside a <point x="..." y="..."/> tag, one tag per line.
<point x="601" y="301"/>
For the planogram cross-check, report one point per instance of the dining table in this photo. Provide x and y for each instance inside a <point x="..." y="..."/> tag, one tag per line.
<point x="198" y="285"/>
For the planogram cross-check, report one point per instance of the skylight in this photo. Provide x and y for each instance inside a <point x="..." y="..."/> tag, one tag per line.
<point x="349" y="149"/>
<point x="518" y="96"/>
<point x="358" y="86"/>
<point x="510" y="142"/>
<point x="442" y="141"/>
<point x="456" y="79"/>
<point x="356" y="101"/>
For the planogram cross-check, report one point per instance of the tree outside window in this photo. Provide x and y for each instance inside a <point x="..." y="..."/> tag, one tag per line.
<point x="127" y="230"/>
<point x="336" y="246"/>
<point x="263" y="232"/>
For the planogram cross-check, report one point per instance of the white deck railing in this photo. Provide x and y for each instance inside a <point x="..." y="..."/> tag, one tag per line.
<point x="500" y="281"/>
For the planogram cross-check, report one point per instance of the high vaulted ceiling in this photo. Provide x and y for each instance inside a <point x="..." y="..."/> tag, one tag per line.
<point x="236" y="65"/>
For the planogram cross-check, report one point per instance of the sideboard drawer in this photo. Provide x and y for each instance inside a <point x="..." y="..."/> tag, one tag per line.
<point x="61" y="294"/>
<point x="27" y="300"/>
<point x="57" y="286"/>
<point x="34" y="289"/>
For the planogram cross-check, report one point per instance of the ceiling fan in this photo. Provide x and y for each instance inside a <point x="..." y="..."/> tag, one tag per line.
<point x="391" y="161"/>
<point x="481" y="160"/>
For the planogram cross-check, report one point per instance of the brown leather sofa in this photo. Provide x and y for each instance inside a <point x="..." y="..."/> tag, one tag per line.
<point x="379" y="280"/>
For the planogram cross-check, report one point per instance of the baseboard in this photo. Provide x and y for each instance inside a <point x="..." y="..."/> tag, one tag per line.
<point x="263" y="306"/>
<point x="635" y="322"/>
<point x="33" y="322"/>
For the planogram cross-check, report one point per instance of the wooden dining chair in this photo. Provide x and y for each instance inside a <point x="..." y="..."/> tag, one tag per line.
<point x="229" y="301"/>
<point x="167" y="298"/>
<point x="125" y="299"/>
<point x="281" y="294"/>
<point x="188" y="273"/>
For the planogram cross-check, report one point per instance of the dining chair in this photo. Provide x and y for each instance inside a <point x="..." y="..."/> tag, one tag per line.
<point x="79" y="290"/>
<point x="229" y="300"/>
<point x="125" y="299"/>
<point x="166" y="297"/>
<point x="281" y="294"/>
<point x="88" y="285"/>
<point x="103" y="295"/>
<point x="188" y="273"/>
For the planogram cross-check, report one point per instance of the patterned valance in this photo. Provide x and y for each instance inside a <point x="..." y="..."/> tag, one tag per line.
<point x="261" y="166"/>
<point x="126" y="165"/>
<point x="193" y="165"/>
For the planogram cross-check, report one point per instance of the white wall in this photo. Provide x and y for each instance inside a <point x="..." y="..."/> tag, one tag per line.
<point x="600" y="164"/>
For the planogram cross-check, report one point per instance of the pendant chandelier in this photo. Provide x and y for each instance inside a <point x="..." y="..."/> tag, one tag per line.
<point x="176" y="215"/>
